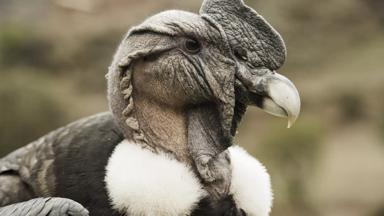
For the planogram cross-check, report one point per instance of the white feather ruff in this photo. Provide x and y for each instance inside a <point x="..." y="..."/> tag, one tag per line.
<point x="140" y="182"/>
<point x="251" y="184"/>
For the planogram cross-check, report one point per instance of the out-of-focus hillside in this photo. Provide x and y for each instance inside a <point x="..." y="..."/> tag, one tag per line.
<point x="54" y="55"/>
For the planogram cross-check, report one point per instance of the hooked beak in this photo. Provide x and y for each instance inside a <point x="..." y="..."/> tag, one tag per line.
<point x="272" y="92"/>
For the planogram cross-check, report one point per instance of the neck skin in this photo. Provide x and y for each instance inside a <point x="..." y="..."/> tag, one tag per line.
<point x="164" y="127"/>
<point x="193" y="137"/>
<point x="192" y="134"/>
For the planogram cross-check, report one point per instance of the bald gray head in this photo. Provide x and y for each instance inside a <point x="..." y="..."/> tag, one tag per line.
<point x="227" y="55"/>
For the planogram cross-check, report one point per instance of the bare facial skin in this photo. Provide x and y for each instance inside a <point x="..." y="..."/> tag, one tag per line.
<point x="180" y="83"/>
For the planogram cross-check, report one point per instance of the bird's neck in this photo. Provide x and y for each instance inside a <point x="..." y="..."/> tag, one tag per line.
<point x="163" y="127"/>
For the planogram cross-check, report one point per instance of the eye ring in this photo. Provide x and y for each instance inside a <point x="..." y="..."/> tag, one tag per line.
<point x="192" y="46"/>
<point x="241" y="53"/>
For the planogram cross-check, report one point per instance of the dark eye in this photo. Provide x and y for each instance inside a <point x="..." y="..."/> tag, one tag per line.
<point x="241" y="53"/>
<point x="192" y="46"/>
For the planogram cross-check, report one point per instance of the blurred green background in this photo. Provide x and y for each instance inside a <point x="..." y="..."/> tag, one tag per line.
<point x="54" y="55"/>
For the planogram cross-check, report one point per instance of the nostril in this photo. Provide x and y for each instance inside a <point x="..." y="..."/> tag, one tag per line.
<point x="241" y="53"/>
<point x="251" y="66"/>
